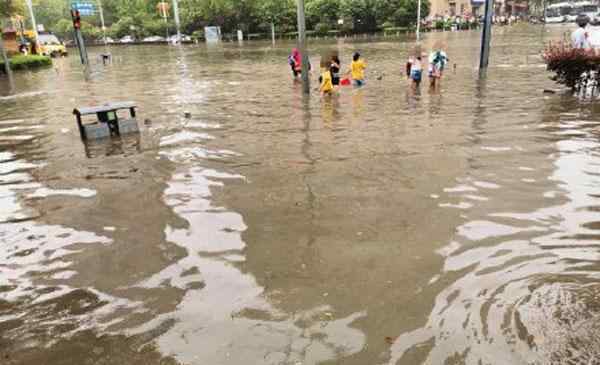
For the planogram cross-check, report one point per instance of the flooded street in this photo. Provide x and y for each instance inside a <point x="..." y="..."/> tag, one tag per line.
<point x="459" y="226"/>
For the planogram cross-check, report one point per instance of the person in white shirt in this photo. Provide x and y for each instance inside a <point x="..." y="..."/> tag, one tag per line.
<point x="580" y="38"/>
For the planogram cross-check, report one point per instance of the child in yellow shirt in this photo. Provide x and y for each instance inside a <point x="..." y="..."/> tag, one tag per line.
<point x="357" y="69"/>
<point x="326" y="82"/>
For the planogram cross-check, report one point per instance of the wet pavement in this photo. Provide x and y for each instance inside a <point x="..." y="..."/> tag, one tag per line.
<point x="459" y="226"/>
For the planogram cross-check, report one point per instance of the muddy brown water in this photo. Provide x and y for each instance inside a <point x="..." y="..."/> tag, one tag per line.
<point x="458" y="226"/>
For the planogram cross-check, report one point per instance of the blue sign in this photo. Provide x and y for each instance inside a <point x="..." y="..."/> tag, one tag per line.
<point x="85" y="9"/>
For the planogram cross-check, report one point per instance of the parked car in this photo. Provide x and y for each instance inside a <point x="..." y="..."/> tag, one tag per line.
<point x="154" y="39"/>
<point x="127" y="39"/>
<point x="184" y="38"/>
<point x="109" y="40"/>
<point x="51" y="46"/>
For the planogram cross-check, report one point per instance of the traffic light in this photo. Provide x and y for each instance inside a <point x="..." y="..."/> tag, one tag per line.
<point x="76" y="19"/>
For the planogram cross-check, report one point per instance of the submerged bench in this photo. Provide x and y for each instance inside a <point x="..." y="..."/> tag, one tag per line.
<point x="107" y="123"/>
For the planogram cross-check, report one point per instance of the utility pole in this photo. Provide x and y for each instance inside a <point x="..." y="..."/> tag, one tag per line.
<point x="419" y="21"/>
<point x="33" y="22"/>
<point x="273" y="32"/>
<point x="486" y="36"/>
<point x="177" y="22"/>
<point x="302" y="46"/>
<point x="6" y="62"/>
<point x="102" y="23"/>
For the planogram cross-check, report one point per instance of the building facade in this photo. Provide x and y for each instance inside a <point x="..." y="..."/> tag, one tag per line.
<point x="476" y="7"/>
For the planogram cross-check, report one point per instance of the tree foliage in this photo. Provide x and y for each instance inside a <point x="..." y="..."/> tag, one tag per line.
<point x="141" y="17"/>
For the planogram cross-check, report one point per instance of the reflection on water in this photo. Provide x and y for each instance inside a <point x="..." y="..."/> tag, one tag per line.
<point x="124" y="145"/>
<point x="523" y="283"/>
<point x="249" y="224"/>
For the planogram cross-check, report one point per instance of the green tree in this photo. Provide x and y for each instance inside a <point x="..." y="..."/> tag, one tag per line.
<point x="401" y="12"/>
<point x="63" y="29"/>
<point x="50" y="12"/>
<point x="9" y="8"/>
<point x="281" y="13"/>
<point x="322" y="11"/>
<point x="364" y="13"/>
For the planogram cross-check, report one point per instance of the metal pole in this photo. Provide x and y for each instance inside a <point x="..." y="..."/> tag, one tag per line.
<point x="102" y="22"/>
<point x="177" y="23"/>
<point x="6" y="62"/>
<point x="273" y="32"/>
<point x="33" y="23"/>
<point x="486" y="36"/>
<point x="79" y="38"/>
<point x="419" y="21"/>
<point x="302" y="46"/>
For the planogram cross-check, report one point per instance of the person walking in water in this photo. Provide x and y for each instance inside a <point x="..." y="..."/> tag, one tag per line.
<point x="416" y="72"/>
<point x="295" y="61"/>
<point x="326" y="82"/>
<point x="580" y="38"/>
<point x="357" y="70"/>
<point x="437" y="63"/>
<point x="334" y="69"/>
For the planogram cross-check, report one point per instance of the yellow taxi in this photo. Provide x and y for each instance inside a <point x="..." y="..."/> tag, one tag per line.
<point x="51" y="46"/>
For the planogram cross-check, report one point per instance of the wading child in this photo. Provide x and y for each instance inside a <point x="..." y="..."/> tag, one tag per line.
<point x="437" y="63"/>
<point x="295" y="62"/>
<point x="416" y="72"/>
<point x="357" y="69"/>
<point x="326" y="82"/>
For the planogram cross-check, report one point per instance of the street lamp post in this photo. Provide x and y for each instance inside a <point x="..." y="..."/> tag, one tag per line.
<point x="33" y="22"/>
<point x="102" y="22"/>
<point x="419" y="21"/>
<point x="177" y="22"/>
<point x="302" y="46"/>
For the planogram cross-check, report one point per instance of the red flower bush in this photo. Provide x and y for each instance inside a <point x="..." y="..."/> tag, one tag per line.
<point x="574" y="67"/>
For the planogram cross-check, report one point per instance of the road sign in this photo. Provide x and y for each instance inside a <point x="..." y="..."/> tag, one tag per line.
<point x="85" y="9"/>
<point x="163" y="8"/>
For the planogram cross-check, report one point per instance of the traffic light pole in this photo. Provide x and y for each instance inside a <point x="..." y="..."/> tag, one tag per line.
<point x="79" y="37"/>
<point x="486" y="36"/>
<point x="302" y="46"/>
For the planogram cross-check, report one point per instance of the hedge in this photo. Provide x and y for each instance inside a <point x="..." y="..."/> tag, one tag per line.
<point x="21" y="62"/>
<point x="573" y="67"/>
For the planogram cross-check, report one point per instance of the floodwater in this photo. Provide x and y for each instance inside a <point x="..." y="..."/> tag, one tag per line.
<point x="457" y="226"/>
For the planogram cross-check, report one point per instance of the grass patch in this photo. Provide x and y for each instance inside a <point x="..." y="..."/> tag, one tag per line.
<point x="21" y="62"/>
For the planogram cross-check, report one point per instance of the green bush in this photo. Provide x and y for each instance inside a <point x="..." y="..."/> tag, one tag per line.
<point x="322" y="29"/>
<point x="347" y="28"/>
<point x="198" y="35"/>
<point x="21" y="62"/>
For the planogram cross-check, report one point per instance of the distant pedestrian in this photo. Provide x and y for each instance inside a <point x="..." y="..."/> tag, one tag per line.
<point x="357" y="69"/>
<point x="334" y="69"/>
<point x="23" y="49"/>
<point x="580" y="38"/>
<point x="409" y="64"/>
<point x="438" y="60"/>
<point x="416" y="72"/>
<point x="326" y="82"/>
<point x="295" y="62"/>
